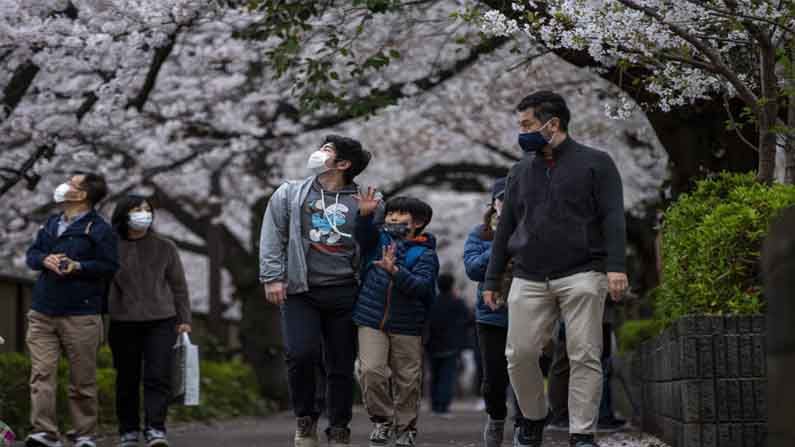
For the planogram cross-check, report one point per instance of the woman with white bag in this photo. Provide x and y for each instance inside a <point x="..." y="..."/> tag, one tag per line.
<point x="149" y="307"/>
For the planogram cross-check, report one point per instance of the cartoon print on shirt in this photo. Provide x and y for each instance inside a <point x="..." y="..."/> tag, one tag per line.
<point x="322" y="227"/>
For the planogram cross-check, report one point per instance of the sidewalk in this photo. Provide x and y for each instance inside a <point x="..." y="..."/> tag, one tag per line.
<point x="463" y="430"/>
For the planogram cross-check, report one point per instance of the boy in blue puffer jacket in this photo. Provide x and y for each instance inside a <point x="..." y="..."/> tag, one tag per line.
<point x="399" y="273"/>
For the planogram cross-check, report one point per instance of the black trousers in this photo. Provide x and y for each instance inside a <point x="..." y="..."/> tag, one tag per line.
<point x="318" y="330"/>
<point x="142" y="350"/>
<point x="496" y="382"/>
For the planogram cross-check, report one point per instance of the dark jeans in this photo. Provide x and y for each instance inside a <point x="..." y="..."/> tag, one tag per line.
<point x="318" y="327"/>
<point x="142" y="347"/>
<point x="496" y="382"/>
<point x="559" y="379"/>
<point x="444" y="371"/>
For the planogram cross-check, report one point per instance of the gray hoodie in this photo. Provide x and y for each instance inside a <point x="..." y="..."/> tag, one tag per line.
<point x="283" y="245"/>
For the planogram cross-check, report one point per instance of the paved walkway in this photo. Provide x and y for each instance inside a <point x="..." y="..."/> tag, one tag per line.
<point x="463" y="430"/>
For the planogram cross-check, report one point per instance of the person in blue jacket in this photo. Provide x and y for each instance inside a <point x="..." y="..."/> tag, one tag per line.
<point x="492" y="325"/>
<point x="399" y="277"/>
<point x="76" y="255"/>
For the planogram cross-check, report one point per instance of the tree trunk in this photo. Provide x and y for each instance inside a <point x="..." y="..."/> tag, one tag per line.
<point x="767" y="115"/>
<point x="698" y="143"/>
<point x="789" y="146"/>
<point x="260" y="327"/>
<point x="215" y="316"/>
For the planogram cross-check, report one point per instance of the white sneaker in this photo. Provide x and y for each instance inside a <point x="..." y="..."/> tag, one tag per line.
<point x="42" y="439"/>
<point x="306" y="432"/>
<point x="155" y="438"/>
<point x="130" y="439"/>
<point x="84" y="441"/>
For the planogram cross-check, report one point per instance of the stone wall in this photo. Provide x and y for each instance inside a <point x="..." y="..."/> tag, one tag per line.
<point x="704" y="382"/>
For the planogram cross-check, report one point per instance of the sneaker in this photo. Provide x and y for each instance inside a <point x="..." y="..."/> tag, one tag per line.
<point x="407" y="439"/>
<point x="560" y="425"/>
<point x="42" y="439"/>
<point x="444" y="415"/>
<point x="129" y="439"/>
<point x="529" y="434"/>
<point x="579" y="440"/>
<point x="306" y="432"/>
<point x="493" y="432"/>
<point x="381" y="435"/>
<point x="155" y="438"/>
<point x="84" y="441"/>
<point x="338" y="435"/>
<point x="611" y="425"/>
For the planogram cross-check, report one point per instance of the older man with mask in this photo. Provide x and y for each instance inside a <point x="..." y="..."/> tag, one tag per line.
<point x="563" y="225"/>
<point x="76" y="253"/>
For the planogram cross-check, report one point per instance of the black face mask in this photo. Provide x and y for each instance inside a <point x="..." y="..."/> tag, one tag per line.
<point x="397" y="231"/>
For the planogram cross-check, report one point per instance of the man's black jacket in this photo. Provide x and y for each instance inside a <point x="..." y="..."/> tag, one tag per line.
<point x="561" y="217"/>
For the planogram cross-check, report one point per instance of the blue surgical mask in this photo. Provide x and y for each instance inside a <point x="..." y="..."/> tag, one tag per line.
<point x="533" y="141"/>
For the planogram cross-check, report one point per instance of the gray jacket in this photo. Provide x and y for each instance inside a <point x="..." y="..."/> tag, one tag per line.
<point x="282" y="251"/>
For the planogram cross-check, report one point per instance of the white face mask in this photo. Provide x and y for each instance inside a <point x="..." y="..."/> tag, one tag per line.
<point x="59" y="195"/>
<point x="140" y="220"/>
<point x="317" y="162"/>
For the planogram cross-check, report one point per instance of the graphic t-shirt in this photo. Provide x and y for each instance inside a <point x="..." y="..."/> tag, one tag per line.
<point x="328" y="220"/>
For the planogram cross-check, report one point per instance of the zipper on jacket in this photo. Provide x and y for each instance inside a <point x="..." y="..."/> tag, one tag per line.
<point x="388" y="302"/>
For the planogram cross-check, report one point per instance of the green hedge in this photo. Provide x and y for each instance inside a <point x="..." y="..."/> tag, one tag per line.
<point x="711" y="243"/>
<point x="634" y="332"/>
<point x="228" y="389"/>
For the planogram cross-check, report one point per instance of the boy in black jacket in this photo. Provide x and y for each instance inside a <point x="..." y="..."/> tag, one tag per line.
<point x="398" y="287"/>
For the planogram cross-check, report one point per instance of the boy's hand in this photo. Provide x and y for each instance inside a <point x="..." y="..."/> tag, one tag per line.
<point x="387" y="261"/>
<point x="368" y="202"/>
<point x="275" y="292"/>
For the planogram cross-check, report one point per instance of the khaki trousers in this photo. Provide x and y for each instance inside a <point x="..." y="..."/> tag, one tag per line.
<point x="386" y="359"/>
<point x="79" y="337"/>
<point x="533" y="310"/>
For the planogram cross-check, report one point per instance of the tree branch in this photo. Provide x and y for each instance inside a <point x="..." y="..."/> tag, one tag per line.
<point x="460" y="176"/>
<point x="18" y="86"/>
<point x="44" y="151"/>
<point x="395" y="91"/>
<point x="745" y="93"/>
<point x="190" y="246"/>
<point x="158" y="58"/>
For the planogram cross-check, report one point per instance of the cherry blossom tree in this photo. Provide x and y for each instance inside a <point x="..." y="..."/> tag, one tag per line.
<point x="198" y="104"/>
<point x="670" y="54"/>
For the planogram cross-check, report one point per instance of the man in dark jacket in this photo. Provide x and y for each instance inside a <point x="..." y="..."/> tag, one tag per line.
<point x="447" y="336"/>
<point x="563" y="225"/>
<point x="77" y="254"/>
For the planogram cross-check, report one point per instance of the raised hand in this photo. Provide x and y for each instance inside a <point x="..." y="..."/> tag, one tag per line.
<point x="368" y="202"/>
<point x="388" y="259"/>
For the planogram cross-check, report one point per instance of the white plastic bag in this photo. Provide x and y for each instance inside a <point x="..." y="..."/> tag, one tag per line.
<point x="185" y="372"/>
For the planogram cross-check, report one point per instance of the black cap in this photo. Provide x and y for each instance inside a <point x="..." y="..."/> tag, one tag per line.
<point x="498" y="190"/>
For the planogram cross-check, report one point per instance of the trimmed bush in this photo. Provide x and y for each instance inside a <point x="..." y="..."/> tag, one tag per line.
<point x="228" y="390"/>
<point x="634" y="332"/>
<point x="711" y="244"/>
